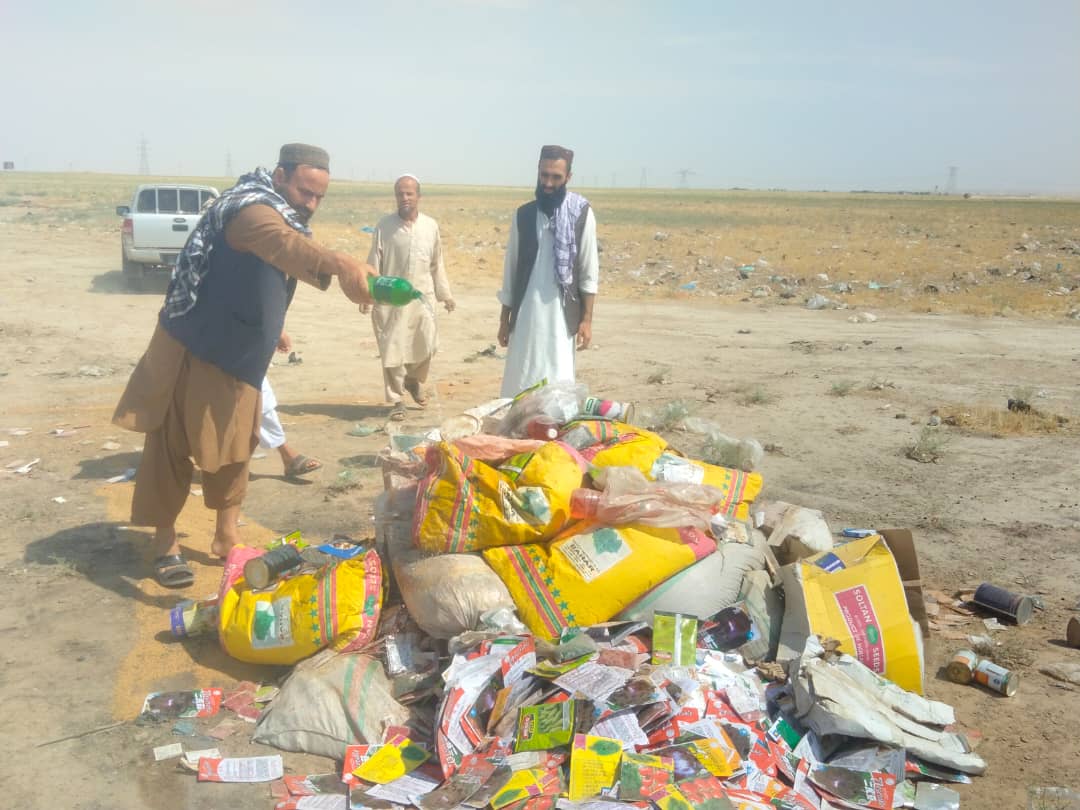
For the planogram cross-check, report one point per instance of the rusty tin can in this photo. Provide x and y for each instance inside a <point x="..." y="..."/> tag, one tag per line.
<point x="962" y="667"/>
<point x="997" y="678"/>
<point x="1014" y="606"/>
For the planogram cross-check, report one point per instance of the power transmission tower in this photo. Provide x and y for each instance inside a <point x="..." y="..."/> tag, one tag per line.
<point x="613" y="179"/>
<point x="144" y="156"/>
<point x="228" y="163"/>
<point x="644" y="177"/>
<point x="683" y="174"/>
<point x="950" y="187"/>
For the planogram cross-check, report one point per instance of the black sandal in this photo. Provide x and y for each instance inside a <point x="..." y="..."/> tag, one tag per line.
<point x="172" y="571"/>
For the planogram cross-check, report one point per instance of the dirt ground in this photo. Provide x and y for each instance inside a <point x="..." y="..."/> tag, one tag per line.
<point x="85" y="630"/>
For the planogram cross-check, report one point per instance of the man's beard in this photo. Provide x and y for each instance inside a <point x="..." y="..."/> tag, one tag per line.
<point x="302" y="215"/>
<point x="549" y="201"/>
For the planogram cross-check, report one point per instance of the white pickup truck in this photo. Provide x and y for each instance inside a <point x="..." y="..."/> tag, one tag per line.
<point x="157" y="224"/>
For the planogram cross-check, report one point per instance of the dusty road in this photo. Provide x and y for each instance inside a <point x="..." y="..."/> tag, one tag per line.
<point x="83" y="627"/>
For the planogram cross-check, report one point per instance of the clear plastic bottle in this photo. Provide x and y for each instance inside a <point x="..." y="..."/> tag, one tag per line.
<point x="392" y="290"/>
<point x="558" y="400"/>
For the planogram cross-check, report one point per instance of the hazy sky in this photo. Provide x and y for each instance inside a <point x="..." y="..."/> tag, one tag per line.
<point x="798" y="95"/>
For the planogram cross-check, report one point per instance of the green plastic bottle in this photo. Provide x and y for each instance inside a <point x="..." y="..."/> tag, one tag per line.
<point x="392" y="290"/>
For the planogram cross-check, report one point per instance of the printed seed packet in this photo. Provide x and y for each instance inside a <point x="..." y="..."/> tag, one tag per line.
<point x="674" y="639"/>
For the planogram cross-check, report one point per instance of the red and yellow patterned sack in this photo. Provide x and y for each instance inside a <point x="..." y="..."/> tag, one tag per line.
<point x="337" y="606"/>
<point x="466" y="505"/>
<point x="592" y="572"/>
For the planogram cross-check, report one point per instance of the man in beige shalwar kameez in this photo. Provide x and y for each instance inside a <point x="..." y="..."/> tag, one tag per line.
<point x="407" y="244"/>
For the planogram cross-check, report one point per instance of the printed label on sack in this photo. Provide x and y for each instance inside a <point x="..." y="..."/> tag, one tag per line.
<point x="524" y="505"/>
<point x="857" y="610"/>
<point x="676" y="470"/>
<point x="593" y="554"/>
<point x="272" y="625"/>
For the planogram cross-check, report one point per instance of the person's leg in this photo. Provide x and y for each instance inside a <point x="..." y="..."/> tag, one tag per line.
<point x="394" y="380"/>
<point x="162" y="485"/>
<point x="224" y="491"/>
<point x="272" y="437"/>
<point x="416" y="375"/>
<point x="271" y="433"/>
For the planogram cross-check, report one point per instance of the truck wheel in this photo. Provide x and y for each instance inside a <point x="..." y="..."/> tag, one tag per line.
<point x="133" y="272"/>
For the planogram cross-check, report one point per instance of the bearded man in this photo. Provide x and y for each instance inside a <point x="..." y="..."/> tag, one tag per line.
<point x="550" y="278"/>
<point x="195" y="392"/>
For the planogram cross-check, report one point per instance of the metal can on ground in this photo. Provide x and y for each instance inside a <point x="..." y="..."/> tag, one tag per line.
<point x="996" y="677"/>
<point x="261" y="571"/>
<point x="1072" y="632"/>
<point x="1014" y="606"/>
<point x="962" y="667"/>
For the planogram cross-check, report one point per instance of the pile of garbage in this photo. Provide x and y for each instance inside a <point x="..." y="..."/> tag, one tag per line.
<point x="561" y="609"/>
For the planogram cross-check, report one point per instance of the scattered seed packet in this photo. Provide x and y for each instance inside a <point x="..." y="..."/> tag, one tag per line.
<point x="674" y="639"/>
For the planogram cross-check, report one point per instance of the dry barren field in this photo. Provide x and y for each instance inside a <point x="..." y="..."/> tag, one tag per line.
<point x="885" y="406"/>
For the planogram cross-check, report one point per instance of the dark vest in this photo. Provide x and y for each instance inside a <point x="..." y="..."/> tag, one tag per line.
<point x="238" y="317"/>
<point x="528" y="247"/>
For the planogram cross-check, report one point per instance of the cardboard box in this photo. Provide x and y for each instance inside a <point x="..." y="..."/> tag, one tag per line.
<point x="855" y="593"/>
<point x="902" y="546"/>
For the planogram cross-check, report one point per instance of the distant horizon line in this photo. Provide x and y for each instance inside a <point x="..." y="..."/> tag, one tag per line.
<point x="1025" y="194"/>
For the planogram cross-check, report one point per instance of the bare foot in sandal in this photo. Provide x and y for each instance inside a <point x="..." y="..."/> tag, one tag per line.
<point x="297" y="464"/>
<point x="398" y="412"/>
<point x="170" y="568"/>
<point x="415" y="391"/>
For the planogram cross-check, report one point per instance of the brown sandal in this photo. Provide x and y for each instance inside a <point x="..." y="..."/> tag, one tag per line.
<point x="413" y="387"/>
<point x="398" y="412"/>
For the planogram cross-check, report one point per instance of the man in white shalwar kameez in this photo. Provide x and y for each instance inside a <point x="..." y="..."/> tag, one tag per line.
<point x="550" y="280"/>
<point x="407" y="244"/>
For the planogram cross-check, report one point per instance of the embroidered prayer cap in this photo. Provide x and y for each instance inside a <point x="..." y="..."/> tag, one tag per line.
<point x="554" y="152"/>
<point x="304" y="154"/>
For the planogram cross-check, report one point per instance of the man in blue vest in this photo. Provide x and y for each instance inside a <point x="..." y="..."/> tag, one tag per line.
<point x="550" y="279"/>
<point x="195" y="392"/>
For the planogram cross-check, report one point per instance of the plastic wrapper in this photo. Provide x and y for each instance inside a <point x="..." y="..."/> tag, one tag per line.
<point x="724" y="450"/>
<point x="629" y="497"/>
<point x="559" y="400"/>
<point x="495" y="449"/>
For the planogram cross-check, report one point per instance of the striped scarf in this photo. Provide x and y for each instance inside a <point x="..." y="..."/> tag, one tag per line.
<point x="255" y="188"/>
<point x="566" y="247"/>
